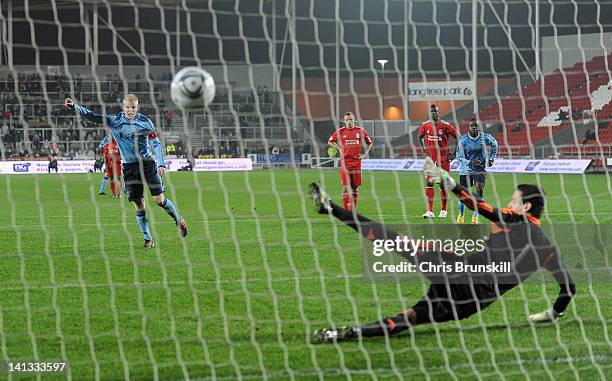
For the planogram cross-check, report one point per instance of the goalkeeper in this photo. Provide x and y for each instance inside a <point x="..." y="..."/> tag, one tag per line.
<point x="516" y="237"/>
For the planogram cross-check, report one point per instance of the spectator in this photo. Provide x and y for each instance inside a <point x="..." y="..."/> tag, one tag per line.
<point x="169" y="116"/>
<point x="180" y="150"/>
<point x="170" y="149"/>
<point x="589" y="135"/>
<point x="189" y="166"/>
<point x="563" y="116"/>
<point x="52" y="164"/>
<point x="36" y="144"/>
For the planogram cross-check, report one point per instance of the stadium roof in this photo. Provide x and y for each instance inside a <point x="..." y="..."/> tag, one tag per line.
<point x="232" y="30"/>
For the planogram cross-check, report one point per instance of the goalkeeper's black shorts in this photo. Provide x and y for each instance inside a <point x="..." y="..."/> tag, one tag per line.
<point x="445" y="302"/>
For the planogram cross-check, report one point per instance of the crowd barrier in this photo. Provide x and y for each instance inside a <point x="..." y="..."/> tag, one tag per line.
<point x="500" y="165"/>
<point x="84" y="166"/>
<point x="246" y="164"/>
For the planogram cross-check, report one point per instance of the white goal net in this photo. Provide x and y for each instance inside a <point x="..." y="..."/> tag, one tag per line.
<point x="260" y="270"/>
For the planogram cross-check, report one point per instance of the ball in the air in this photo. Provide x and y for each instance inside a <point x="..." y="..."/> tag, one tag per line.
<point x="192" y="88"/>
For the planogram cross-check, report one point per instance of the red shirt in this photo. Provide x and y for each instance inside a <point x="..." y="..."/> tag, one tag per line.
<point x="351" y="140"/>
<point x="436" y="138"/>
<point x="111" y="152"/>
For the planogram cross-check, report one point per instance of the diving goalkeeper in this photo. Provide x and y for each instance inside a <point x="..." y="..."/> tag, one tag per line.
<point x="516" y="237"/>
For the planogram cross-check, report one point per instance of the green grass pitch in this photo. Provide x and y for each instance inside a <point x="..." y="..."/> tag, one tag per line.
<point x="259" y="271"/>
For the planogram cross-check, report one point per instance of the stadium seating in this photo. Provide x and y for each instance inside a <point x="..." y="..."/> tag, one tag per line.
<point x="569" y="88"/>
<point x="532" y="114"/>
<point x="48" y="127"/>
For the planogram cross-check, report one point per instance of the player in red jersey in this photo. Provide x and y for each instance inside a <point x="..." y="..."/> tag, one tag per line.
<point x="349" y="140"/>
<point x="434" y="136"/>
<point x="112" y="160"/>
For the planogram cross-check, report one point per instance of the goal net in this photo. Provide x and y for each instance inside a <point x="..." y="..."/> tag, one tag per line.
<point x="260" y="270"/>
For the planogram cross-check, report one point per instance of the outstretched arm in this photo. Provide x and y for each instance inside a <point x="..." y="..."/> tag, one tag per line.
<point x="567" y="289"/>
<point x="87" y="113"/>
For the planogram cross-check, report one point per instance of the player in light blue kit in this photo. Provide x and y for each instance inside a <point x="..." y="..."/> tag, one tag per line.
<point x="105" y="180"/>
<point x="134" y="134"/>
<point x="473" y="162"/>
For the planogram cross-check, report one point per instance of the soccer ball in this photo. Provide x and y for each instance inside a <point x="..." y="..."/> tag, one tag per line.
<point x="192" y="88"/>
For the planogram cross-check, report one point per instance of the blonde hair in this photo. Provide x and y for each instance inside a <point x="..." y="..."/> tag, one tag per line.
<point x="130" y="98"/>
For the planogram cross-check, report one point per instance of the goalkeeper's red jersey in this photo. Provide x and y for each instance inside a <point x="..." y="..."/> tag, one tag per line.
<point x="436" y="138"/>
<point x="351" y="140"/>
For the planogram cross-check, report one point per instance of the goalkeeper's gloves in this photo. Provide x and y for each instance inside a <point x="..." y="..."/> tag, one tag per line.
<point x="438" y="175"/>
<point x="547" y="316"/>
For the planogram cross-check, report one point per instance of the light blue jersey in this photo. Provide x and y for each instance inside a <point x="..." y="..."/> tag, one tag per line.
<point x="469" y="149"/>
<point x="132" y="136"/>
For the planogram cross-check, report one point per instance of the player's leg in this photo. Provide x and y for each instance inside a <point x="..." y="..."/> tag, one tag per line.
<point x="428" y="309"/>
<point x="112" y="185"/>
<point x="385" y="327"/>
<point x="156" y="187"/>
<point x="131" y="174"/>
<point x="443" y="302"/>
<point x="479" y="183"/>
<point x="444" y="193"/>
<point x="103" y="185"/>
<point x="355" y="177"/>
<point x="345" y="180"/>
<point x="169" y="207"/>
<point x="121" y="178"/>
<point x="460" y="205"/>
<point x="429" y="194"/>
<point x="346" y="197"/>
<point x="118" y="186"/>
<point x="117" y="180"/>
<point x="143" y="222"/>
<point x="112" y="179"/>
<point x="354" y="196"/>
<point x="444" y="200"/>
